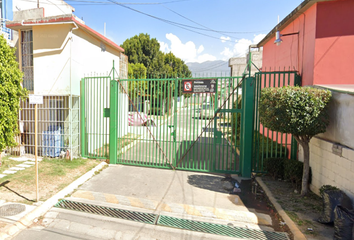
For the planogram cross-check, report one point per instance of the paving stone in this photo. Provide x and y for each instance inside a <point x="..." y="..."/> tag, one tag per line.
<point x="17" y="168"/>
<point x="24" y="165"/>
<point x="19" y="159"/>
<point x="9" y="172"/>
<point x="32" y="163"/>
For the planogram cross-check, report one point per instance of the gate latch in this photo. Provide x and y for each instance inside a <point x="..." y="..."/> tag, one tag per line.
<point x="106" y="112"/>
<point x="218" y="135"/>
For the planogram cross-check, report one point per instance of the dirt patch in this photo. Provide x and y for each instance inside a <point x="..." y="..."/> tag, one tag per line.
<point x="304" y="211"/>
<point x="254" y="198"/>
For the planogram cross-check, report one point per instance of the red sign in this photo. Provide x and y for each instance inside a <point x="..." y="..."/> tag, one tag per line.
<point x="187" y="86"/>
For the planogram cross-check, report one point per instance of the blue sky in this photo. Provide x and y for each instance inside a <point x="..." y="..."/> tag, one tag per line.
<point x="232" y="24"/>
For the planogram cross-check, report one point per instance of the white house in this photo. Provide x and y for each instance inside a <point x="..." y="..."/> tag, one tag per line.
<point x="55" y="50"/>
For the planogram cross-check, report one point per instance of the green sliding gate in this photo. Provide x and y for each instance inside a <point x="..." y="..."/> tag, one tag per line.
<point x="197" y="124"/>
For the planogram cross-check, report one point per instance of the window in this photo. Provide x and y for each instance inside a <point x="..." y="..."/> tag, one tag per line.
<point x="27" y="59"/>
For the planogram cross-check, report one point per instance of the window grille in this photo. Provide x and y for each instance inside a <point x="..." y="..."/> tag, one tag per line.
<point x="27" y="59"/>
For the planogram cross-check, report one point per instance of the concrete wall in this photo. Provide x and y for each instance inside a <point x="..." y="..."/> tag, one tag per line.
<point x="89" y="59"/>
<point x="329" y="168"/>
<point x="51" y="59"/>
<point x="50" y="9"/>
<point x="239" y="64"/>
<point x="332" y="153"/>
<point x="62" y="58"/>
<point x="341" y="117"/>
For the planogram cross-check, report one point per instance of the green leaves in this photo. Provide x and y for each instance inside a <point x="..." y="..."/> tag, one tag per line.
<point x="10" y="93"/>
<point x="141" y="49"/>
<point x="300" y="111"/>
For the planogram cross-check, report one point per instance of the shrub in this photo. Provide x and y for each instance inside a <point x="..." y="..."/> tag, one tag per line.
<point x="300" y="111"/>
<point x="293" y="171"/>
<point x="327" y="187"/>
<point x="275" y="167"/>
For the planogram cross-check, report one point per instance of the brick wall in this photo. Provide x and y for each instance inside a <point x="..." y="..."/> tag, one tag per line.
<point x="331" y="164"/>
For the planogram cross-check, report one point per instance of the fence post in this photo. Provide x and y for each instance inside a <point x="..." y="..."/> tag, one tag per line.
<point x="82" y="118"/>
<point x="113" y="134"/>
<point x="247" y="127"/>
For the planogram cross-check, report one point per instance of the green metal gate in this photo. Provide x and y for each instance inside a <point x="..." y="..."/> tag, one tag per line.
<point x="267" y="143"/>
<point x="154" y="123"/>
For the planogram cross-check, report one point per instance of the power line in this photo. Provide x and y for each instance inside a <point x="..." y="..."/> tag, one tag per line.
<point x="180" y="25"/>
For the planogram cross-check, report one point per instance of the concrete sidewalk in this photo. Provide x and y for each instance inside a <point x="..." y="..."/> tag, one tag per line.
<point x="178" y="192"/>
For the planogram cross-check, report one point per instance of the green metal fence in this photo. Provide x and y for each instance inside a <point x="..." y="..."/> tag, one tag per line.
<point x="267" y="143"/>
<point x="95" y="94"/>
<point x="167" y="128"/>
<point x="153" y="123"/>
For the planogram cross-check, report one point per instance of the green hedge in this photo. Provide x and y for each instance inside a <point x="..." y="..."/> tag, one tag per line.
<point x="287" y="169"/>
<point x="275" y="167"/>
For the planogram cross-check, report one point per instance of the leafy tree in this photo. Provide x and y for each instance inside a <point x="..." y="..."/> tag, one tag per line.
<point x="145" y="50"/>
<point x="10" y="93"/>
<point x="141" y="49"/>
<point x="137" y="71"/>
<point x="301" y="111"/>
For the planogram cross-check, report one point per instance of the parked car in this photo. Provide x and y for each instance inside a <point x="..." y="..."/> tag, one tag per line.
<point x="207" y="111"/>
<point x="140" y="119"/>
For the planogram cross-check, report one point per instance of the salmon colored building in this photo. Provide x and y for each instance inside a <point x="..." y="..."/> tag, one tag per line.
<point x="317" y="41"/>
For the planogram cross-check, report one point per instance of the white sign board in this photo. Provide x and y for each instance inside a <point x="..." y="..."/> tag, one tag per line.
<point x="35" y="99"/>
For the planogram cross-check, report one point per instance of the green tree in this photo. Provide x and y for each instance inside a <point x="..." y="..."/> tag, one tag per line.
<point x="135" y="88"/>
<point x="145" y="50"/>
<point x="141" y="49"/>
<point x="11" y="92"/>
<point x="300" y="111"/>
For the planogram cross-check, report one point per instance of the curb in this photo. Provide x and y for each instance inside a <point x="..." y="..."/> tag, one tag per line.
<point x="27" y="220"/>
<point x="298" y="235"/>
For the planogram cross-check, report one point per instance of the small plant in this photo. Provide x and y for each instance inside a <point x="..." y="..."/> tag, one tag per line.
<point x="327" y="187"/>
<point x="274" y="167"/>
<point x="293" y="172"/>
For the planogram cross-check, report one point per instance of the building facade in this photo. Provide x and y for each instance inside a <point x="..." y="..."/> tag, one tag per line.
<point x="54" y="53"/>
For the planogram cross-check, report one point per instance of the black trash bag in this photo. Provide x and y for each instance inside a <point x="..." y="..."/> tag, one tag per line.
<point x="343" y="223"/>
<point x="332" y="198"/>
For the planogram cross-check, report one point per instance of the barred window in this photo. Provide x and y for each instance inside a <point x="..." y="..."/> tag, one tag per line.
<point x="27" y="59"/>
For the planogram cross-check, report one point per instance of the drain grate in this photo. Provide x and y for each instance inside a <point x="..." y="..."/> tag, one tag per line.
<point x="166" y="221"/>
<point x="11" y="209"/>
<point x="109" y="212"/>
<point x="220" y="229"/>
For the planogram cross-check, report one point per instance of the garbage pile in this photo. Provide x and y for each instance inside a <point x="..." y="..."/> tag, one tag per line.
<point x="338" y="209"/>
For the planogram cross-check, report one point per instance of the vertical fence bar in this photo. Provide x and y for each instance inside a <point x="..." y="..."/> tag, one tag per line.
<point x="247" y="125"/>
<point x="83" y="119"/>
<point x="113" y="123"/>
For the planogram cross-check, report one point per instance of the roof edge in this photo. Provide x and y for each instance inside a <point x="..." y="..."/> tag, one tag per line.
<point x="69" y="18"/>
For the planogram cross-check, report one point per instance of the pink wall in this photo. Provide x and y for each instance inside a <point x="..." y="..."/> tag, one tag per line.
<point x="334" y="54"/>
<point x="292" y="53"/>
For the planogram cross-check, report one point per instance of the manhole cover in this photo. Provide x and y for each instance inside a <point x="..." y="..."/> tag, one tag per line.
<point x="11" y="209"/>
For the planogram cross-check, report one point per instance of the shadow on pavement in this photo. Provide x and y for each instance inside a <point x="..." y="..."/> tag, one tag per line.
<point x="212" y="183"/>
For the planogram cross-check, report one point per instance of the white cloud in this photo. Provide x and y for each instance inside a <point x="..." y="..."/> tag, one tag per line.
<point x="241" y="47"/>
<point x="200" y="49"/>
<point x="224" y="39"/>
<point x="188" y="51"/>
<point x="164" y="47"/>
